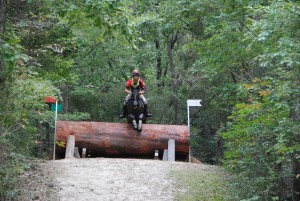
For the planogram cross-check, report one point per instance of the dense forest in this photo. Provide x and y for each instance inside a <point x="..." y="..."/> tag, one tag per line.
<point x="240" y="57"/>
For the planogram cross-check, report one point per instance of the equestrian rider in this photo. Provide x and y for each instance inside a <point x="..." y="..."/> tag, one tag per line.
<point x="135" y="82"/>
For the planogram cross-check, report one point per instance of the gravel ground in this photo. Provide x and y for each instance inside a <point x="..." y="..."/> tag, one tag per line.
<point x="104" y="179"/>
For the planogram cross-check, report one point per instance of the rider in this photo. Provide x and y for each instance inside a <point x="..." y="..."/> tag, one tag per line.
<point x="135" y="82"/>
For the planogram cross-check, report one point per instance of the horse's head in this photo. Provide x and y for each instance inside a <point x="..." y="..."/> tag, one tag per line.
<point x="135" y="98"/>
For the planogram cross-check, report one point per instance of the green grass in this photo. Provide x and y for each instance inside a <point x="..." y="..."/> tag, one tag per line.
<point x="203" y="185"/>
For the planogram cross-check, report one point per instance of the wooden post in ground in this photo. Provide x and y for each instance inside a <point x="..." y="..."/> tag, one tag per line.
<point x="70" y="147"/>
<point x="165" y="156"/>
<point x="83" y="152"/>
<point x="156" y="155"/>
<point x="171" y="150"/>
<point x="76" y="153"/>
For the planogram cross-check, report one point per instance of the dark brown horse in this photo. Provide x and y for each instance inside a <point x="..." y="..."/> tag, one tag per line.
<point x="135" y="108"/>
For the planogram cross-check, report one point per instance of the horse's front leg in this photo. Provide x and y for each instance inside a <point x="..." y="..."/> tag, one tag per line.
<point x="139" y="127"/>
<point x="141" y="117"/>
<point x="133" y="121"/>
<point x="134" y="124"/>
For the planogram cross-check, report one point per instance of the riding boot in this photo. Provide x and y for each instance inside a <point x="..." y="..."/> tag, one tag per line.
<point x="147" y="114"/>
<point x="124" y="112"/>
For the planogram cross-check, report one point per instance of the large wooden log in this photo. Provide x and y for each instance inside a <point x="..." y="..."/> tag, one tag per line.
<point x="117" y="139"/>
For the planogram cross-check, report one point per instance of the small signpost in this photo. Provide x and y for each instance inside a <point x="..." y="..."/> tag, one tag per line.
<point x="55" y="120"/>
<point x="52" y="101"/>
<point x="191" y="103"/>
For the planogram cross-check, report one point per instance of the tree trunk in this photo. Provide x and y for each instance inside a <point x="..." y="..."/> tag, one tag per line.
<point x="3" y="4"/>
<point x="173" y="75"/>
<point x="158" y="64"/>
<point x="287" y="179"/>
<point x="197" y="27"/>
<point x="39" y="139"/>
<point x="290" y="166"/>
<point x="219" y="151"/>
<point x="65" y="96"/>
<point x="48" y="140"/>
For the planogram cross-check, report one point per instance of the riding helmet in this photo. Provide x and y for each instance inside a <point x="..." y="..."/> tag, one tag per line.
<point x="135" y="72"/>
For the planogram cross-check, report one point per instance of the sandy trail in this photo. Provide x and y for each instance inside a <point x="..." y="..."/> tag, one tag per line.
<point x="103" y="179"/>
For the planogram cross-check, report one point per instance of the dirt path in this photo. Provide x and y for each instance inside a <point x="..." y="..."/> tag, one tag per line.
<point x="104" y="179"/>
<point x="115" y="179"/>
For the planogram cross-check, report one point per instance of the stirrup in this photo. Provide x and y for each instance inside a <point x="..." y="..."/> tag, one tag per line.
<point x="148" y="114"/>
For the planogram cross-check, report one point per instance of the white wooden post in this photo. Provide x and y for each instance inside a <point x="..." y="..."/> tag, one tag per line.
<point x="55" y="120"/>
<point x="171" y="150"/>
<point x="165" y="156"/>
<point x="70" y="147"/>
<point x="190" y="102"/>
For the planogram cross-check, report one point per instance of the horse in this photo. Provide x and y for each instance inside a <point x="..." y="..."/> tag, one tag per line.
<point x="135" y="109"/>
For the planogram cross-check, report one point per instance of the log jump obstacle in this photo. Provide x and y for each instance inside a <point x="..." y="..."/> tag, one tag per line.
<point x="104" y="139"/>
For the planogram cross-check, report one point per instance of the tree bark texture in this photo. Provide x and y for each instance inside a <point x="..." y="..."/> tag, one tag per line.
<point x="158" y="64"/>
<point x="287" y="188"/>
<point x="219" y="151"/>
<point x="173" y="74"/>
<point x="65" y="96"/>
<point x="3" y="5"/>
<point x="120" y="139"/>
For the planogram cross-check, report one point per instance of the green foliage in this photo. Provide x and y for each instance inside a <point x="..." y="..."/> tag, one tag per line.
<point x="263" y="132"/>
<point x="74" y="116"/>
<point x="240" y="57"/>
<point x="260" y="136"/>
<point x="11" y="52"/>
<point x="15" y="164"/>
<point x="22" y="92"/>
<point x="111" y="17"/>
